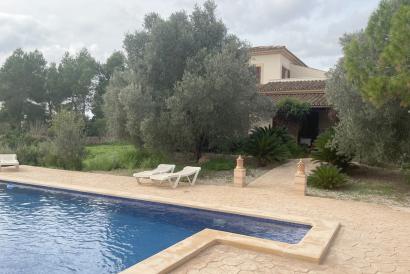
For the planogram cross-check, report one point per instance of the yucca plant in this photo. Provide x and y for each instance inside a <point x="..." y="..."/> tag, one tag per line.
<point x="268" y="144"/>
<point x="327" y="177"/>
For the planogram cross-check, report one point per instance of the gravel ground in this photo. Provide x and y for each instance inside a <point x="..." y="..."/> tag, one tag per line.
<point x="394" y="200"/>
<point x="371" y="184"/>
<point x="367" y="184"/>
<point x="226" y="177"/>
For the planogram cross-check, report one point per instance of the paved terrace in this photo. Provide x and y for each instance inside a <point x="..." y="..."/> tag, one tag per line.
<point x="373" y="238"/>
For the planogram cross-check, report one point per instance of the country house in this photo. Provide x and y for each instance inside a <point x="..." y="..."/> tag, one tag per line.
<point x="281" y="74"/>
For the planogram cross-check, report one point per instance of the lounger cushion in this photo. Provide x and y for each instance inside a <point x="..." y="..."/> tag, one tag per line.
<point x="144" y="174"/>
<point x="160" y="169"/>
<point x="8" y="160"/>
<point x="187" y="171"/>
<point x="9" y="163"/>
<point x="162" y="177"/>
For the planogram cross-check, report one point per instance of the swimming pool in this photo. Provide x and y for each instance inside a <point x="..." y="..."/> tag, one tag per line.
<point x="49" y="231"/>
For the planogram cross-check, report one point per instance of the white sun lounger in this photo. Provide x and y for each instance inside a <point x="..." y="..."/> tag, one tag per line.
<point x="186" y="172"/>
<point x="9" y="160"/>
<point x="159" y="170"/>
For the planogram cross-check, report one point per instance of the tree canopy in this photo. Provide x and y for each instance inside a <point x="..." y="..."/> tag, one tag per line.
<point x="188" y="85"/>
<point x="31" y="90"/>
<point x="22" y="87"/>
<point x="369" y="88"/>
<point x="115" y="61"/>
<point x="289" y="109"/>
<point x="79" y="79"/>
<point x="377" y="59"/>
<point x="375" y="135"/>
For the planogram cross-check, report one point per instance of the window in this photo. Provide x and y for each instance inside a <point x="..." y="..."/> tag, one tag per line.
<point x="285" y="73"/>
<point x="258" y="75"/>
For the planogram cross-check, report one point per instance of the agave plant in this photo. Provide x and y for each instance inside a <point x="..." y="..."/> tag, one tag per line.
<point x="327" y="176"/>
<point x="268" y="144"/>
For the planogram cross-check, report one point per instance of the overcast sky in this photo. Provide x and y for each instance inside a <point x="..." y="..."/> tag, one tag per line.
<point x="309" y="28"/>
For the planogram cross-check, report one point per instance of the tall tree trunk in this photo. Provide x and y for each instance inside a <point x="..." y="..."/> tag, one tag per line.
<point x="199" y="147"/>
<point x="198" y="154"/>
<point x="50" y="110"/>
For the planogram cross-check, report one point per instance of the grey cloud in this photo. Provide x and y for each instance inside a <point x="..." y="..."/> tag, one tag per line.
<point x="260" y="16"/>
<point x="310" y="28"/>
<point x="21" y="31"/>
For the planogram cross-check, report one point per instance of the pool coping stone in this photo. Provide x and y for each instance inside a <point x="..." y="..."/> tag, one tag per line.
<point x="313" y="247"/>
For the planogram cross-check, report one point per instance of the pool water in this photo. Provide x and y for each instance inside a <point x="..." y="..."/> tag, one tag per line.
<point x="49" y="231"/>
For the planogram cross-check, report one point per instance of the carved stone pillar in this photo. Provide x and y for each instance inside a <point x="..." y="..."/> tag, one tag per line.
<point x="300" y="181"/>
<point x="239" y="174"/>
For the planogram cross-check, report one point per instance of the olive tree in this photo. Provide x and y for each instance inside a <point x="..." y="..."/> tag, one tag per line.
<point x="68" y="140"/>
<point x="369" y="88"/>
<point x="375" y="135"/>
<point x="188" y="84"/>
<point x="212" y="106"/>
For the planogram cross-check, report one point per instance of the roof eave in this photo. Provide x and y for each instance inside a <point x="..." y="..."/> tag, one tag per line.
<point x="283" y="50"/>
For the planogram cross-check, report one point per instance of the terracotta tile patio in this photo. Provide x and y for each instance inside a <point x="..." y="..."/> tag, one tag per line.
<point x="373" y="238"/>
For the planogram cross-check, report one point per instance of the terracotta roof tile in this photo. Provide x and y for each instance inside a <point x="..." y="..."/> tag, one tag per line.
<point x="289" y="85"/>
<point x="310" y="91"/>
<point x="314" y="99"/>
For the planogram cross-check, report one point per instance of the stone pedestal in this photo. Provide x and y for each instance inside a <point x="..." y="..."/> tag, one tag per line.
<point x="300" y="181"/>
<point x="239" y="174"/>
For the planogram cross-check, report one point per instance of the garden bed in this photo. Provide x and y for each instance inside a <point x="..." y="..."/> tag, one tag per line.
<point x="123" y="159"/>
<point x="371" y="184"/>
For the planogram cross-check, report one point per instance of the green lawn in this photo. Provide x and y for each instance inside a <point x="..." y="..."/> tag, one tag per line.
<point x="112" y="157"/>
<point x="365" y="183"/>
<point x="125" y="159"/>
<point x="119" y="156"/>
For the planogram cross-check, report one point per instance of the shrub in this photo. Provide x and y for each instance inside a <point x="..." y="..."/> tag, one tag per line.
<point x="234" y="145"/>
<point x="107" y="163"/>
<point x="11" y="139"/>
<point x="96" y="127"/>
<point x="327" y="177"/>
<point x="142" y="158"/>
<point x="219" y="164"/>
<point x="5" y="149"/>
<point x="406" y="171"/>
<point x="47" y="154"/>
<point x="292" y="110"/>
<point x="325" y="151"/>
<point x="151" y="162"/>
<point x="109" y="157"/>
<point x="29" y="154"/>
<point x="119" y="156"/>
<point x="25" y="143"/>
<point x="68" y="140"/>
<point x="268" y="144"/>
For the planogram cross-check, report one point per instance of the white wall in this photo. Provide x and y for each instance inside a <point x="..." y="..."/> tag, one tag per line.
<point x="270" y="66"/>
<point x="285" y="62"/>
<point x="304" y="72"/>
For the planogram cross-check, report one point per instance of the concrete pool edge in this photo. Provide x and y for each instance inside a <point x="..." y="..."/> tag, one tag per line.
<point x="313" y="247"/>
<point x="178" y="254"/>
